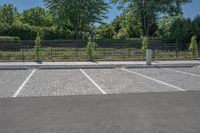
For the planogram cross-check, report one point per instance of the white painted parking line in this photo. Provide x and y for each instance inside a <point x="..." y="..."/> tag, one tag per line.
<point x="23" y="84"/>
<point x="178" y="71"/>
<point x="98" y="87"/>
<point x="156" y="80"/>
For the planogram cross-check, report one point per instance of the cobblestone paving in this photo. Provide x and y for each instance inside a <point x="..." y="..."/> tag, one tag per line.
<point x="119" y="81"/>
<point x="58" y="83"/>
<point x="112" y="81"/>
<point x="189" y="70"/>
<point x="184" y="81"/>
<point x="10" y="80"/>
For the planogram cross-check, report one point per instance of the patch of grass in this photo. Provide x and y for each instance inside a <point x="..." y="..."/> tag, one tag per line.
<point x="68" y="54"/>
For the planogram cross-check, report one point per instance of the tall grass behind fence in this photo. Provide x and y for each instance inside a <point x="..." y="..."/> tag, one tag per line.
<point x="75" y="50"/>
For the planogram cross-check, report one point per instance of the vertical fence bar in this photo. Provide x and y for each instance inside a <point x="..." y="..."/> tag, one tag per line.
<point x="176" y="51"/>
<point x="129" y="50"/>
<point x="153" y="52"/>
<point x="51" y="45"/>
<point x="199" y="49"/>
<point x="158" y="52"/>
<point x="22" y="51"/>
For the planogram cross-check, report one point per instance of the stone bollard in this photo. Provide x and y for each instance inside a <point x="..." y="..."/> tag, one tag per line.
<point x="148" y="56"/>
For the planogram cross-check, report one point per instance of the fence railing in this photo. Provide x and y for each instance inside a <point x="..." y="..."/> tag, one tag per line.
<point x="75" y="50"/>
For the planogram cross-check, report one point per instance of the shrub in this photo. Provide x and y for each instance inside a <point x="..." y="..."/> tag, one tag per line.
<point x="193" y="48"/>
<point x="9" y="38"/>
<point x="37" y="46"/>
<point x="23" y="31"/>
<point x="90" y="49"/>
<point x="145" y="43"/>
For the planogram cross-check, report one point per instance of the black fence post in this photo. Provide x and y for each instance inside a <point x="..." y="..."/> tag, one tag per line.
<point x="153" y="53"/>
<point x="52" y="50"/>
<point x="158" y="52"/>
<point x="22" y="51"/>
<point x="95" y="51"/>
<point x="199" y="49"/>
<point x="129" y="50"/>
<point x="176" y="51"/>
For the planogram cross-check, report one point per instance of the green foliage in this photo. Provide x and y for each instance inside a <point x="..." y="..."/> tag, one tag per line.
<point x="90" y="49"/>
<point x="23" y="31"/>
<point x="124" y="26"/>
<point x="77" y="15"/>
<point x="149" y="10"/>
<point x="37" y="47"/>
<point x="53" y="33"/>
<point x="36" y="17"/>
<point x="196" y="24"/>
<point x="145" y="43"/>
<point x="8" y="13"/>
<point x="127" y="25"/>
<point x="182" y="30"/>
<point x="68" y="19"/>
<point x="122" y="34"/>
<point x="193" y="48"/>
<point x="8" y="38"/>
<point x="27" y="32"/>
<point x="165" y="24"/>
<point x="105" y="31"/>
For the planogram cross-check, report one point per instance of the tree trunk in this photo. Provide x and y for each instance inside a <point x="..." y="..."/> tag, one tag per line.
<point x="76" y="34"/>
<point x="145" y="20"/>
<point x="145" y="26"/>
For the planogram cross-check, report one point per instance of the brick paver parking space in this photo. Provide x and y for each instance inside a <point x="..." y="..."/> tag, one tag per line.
<point x="152" y="100"/>
<point x="67" y="82"/>
<point x="58" y="83"/>
<point x="10" y="81"/>
<point x="188" y="70"/>
<point x="117" y="81"/>
<point x="184" y="81"/>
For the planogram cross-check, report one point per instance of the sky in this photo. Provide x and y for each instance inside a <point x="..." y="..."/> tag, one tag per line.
<point x="190" y="10"/>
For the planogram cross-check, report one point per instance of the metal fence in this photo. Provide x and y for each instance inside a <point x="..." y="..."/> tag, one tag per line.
<point x="75" y="50"/>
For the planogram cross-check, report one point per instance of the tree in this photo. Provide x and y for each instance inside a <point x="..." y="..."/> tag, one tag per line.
<point x="127" y="25"/>
<point x="37" y="46"/>
<point x="196" y="23"/>
<point x="193" y="48"/>
<point x="36" y="17"/>
<point x="122" y="27"/>
<point x="8" y="13"/>
<point x="122" y="34"/>
<point x="165" y="24"/>
<point x="182" y="30"/>
<point x="89" y="49"/>
<point x="105" y="31"/>
<point x="149" y="10"/>
<point x="144" y="44"/>
<point x="77" y="15"/>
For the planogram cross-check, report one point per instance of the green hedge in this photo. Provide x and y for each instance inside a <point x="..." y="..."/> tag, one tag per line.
<point x="27" y="32"/>
<point x="9" y="38"/>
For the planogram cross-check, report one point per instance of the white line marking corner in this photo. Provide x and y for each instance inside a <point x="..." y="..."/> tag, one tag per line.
<point x="178" y="71"/>
<point x="156" y="80"/>
<point x="98" y="87"/>
<point x="23" y="84"/>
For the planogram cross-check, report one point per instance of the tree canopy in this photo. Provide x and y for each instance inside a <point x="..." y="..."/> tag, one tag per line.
<point x="8" y="13"/>
<point x="76" y="19"/>
<point x="149" y="10"/>
<point x="77" y="15"/>
<point x="36" y="17"/>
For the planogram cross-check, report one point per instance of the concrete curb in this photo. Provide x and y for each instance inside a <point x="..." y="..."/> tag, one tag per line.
<point x="14" y="68"/>
<point x="100" y="66"/>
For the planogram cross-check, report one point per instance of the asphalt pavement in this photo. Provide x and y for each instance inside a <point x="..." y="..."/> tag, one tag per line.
<point x="169" y="112"/>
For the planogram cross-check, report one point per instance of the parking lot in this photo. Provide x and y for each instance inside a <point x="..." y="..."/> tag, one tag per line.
<point x="124" y="100"/>
<point x="64" y="82"/>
